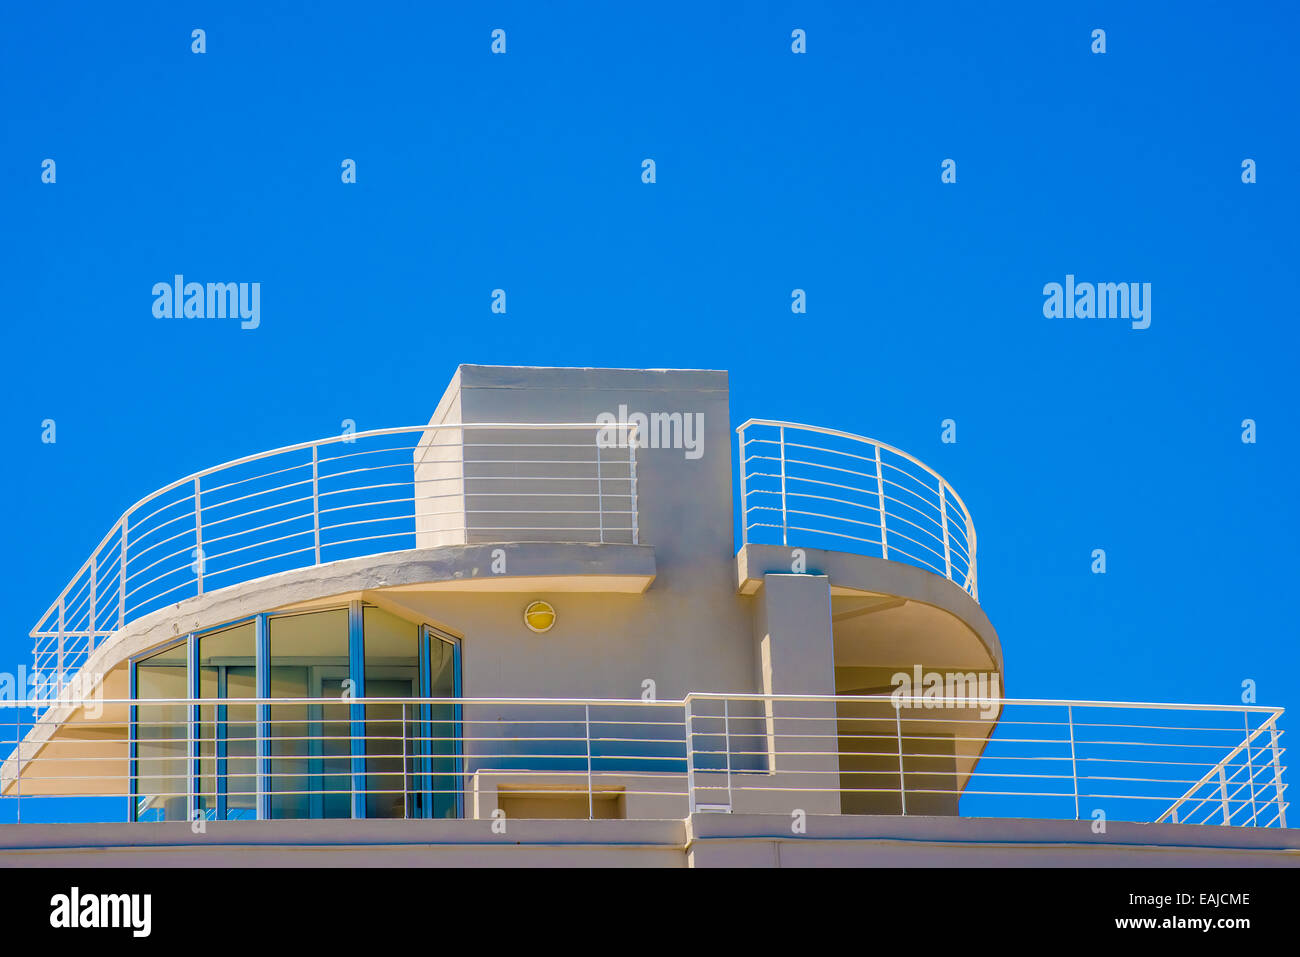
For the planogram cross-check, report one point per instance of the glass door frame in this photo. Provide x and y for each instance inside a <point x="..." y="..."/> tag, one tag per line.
<point x="424" y="763"/>
<point x="133" y="727"/>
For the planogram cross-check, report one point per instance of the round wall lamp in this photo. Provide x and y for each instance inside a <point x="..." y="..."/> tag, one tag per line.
<point x="539" y="616"/>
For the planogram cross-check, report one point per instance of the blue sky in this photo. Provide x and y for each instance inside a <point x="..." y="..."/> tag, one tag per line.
<point x="774" y="171"/>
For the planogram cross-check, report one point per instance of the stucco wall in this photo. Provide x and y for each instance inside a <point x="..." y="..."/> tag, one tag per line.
<point x="690" y="630"/>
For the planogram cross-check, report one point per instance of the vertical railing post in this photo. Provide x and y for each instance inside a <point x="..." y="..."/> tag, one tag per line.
<point x="198" y="534"/>
<point x="591" y="795"/>
<point x="193" y="726"/>
<point x="744" y="495"/>
<point x="1277" y="773"/>
<point x="1223" y="795"/>
<point x="1074" y="761"/>
<point x="192" y="782"/>
<point x="600" y="493"/>
<point x="220" y="757"/>
<point x="1250" y="768"/>
<point x="943" y="520"/>
<point x="94" y="613"/>
<point x="406" y="787"/>
<point x="880" y="491"/>
<point x="315" y="500"/>
<point x="262" y="677"/>
<point x="358" y="714"/>
<point x="972" y="574"/>
<point x="58" y="674"/>
<point x="121" y="577"/>
<point x="902" y="780"/>
<point x="689" y="728"/>
<point x="631" y="445"/>
<point x="785" y="534"/>
<point x="18" y="767"/>
<point x="726" y="738"/>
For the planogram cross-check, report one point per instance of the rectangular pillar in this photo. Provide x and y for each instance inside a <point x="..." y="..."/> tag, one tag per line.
<point x="796" y="656"/>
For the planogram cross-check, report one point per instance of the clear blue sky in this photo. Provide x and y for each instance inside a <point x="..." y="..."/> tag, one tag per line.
<point x="775" y="171"/>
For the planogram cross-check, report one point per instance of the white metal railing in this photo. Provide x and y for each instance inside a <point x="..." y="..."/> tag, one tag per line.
<point x="802" y="485"/>
<point x="294" y="757"/>
<point x="1135" y="761"/>
<point x="345" y="496"/>
<point x="742" y="753"/>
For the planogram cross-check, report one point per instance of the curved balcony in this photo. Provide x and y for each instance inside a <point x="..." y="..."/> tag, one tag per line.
<point x="351" y="495"/>
<point x="387" y="490"/>
<point x="806" y="486"/>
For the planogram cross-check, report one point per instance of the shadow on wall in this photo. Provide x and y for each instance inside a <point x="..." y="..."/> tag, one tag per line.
<point x="869" y="761"/>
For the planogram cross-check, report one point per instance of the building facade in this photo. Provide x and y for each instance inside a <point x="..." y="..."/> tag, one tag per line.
<point x="527" y="632"/>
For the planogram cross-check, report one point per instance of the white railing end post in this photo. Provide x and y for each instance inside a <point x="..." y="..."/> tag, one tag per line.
<point x="785" y="515"/>
<point x="689" y="728"/>
<point x="902" y="773"/>
<point x="1277" y="771"/>
<point x="1074" y="760"/>
<point x="631" y="458"/>
<point x="591" y="793"/>
<point x="880" y="501"/>
<point x="315" y="499"/>
<point x="121" y="577"/>
<point x="198" y="535"/>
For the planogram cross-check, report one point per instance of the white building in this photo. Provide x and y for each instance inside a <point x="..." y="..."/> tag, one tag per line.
<point x="527" y="628"/>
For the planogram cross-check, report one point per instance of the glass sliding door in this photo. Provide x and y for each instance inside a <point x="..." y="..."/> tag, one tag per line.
<point x="226" y="734"/>
<point x="392" y="670"/>
<point x="160" y="732"/>
<point x="309" y="744"/>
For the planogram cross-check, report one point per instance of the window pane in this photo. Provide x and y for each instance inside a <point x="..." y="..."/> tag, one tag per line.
<point x="227" y="734"/>
<point x="309" y="744"/>
<point x="443" y="729"/>
<point x="392" y="650"/>
<point x="162" y="736"/>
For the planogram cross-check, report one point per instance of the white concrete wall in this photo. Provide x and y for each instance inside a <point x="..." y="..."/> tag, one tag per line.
<point x="440" y="478"/>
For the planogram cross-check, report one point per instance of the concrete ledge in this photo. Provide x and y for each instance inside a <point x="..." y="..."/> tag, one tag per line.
<point x="625" y="569"/>
<point x="851" y="574"/>
<point x="740" y="840"/>
<point x="704" y="840"/>
<point x="453" y="843"/>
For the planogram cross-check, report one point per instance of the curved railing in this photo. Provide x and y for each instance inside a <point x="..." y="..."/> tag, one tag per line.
<point x="384" y="490"/>
<point x="802" y="485"/>
<point x="360" y="493"/>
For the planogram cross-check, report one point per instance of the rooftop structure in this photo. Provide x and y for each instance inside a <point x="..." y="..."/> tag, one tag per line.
<point x="527" y="624"/>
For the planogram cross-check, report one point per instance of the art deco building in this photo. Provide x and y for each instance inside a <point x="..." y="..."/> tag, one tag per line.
<point x="577" y="618"/>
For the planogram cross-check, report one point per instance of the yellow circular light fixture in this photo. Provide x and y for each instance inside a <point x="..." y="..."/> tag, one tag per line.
<point x="539" y="616"/>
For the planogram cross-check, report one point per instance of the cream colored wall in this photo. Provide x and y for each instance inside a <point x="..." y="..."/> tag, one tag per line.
<point x="439" y="477"/>
<point x="602" y="646"/>
<point x="690" y="630"/>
